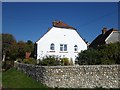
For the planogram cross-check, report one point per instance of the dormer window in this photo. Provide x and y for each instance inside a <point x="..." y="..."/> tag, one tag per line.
<point x="52" y="46"/>
<point x="75" y="48"/>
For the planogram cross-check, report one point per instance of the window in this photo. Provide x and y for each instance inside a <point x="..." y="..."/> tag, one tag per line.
<point x="63" y="47"/>
<point x="75" y="48"/>
<point x="52" y="46"/>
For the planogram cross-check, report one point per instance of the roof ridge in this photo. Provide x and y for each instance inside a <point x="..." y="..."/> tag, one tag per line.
<point x="61" y="24"/>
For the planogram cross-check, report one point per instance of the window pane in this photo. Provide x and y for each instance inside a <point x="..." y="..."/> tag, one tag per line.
<point x="61" y="47"/>
<point x="75" y="48"/>
<point x="52" y="46"/>
<point x="65" y="47"/>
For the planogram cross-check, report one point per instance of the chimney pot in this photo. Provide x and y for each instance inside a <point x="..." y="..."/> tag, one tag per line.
<point x="104" y="30"/>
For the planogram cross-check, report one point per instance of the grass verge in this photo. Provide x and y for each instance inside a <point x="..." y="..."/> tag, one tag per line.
<point x="15" y="79"/>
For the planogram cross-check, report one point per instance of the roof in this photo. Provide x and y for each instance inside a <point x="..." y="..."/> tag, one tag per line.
<point x="61" y="24"/>
<point x="100" y="39"/>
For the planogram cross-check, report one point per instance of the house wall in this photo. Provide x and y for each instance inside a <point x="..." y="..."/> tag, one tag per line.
<point x="113" y="37"/>
<point x="60" y="36"/>
<point x="84" y="76"/>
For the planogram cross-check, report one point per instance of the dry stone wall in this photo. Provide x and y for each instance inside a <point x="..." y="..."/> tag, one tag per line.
<point x="84" y="76"/>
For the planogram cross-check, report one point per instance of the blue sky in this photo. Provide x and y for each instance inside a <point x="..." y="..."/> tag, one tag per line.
<point x="30" y="21"/>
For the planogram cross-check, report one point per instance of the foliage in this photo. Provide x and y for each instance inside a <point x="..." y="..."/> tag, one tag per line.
<point x="15" y="79"/>
<point x="55" y="61"/>
<point x="30" y="61"/>
<point x="24" y="47"/>
<point x="7" y="41"/>
<point x="104" y="54"/>
<point x="7" y="64"/>
<point x="29" y="47"/>
<point x="50" y="61"/>
<point x="27" y="61"/>
<point x="13" y="49"/>
<point x="21" y="49"/>
<point x="65" y="61"/>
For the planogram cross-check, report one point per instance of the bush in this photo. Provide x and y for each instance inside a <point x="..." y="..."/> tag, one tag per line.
<point x="104" y="54"/>
<point x="49" y="61"/>
<point x="64" y="61"/>
<point x="7" y="64"/>
<point x="30" y="61"/>
<point x="55" y="61"/>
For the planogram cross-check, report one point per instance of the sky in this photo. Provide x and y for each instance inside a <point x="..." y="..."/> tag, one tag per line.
<point x="31" y="20"/>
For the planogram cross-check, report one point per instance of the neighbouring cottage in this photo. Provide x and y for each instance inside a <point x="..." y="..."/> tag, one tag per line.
<point x="62" y="41"/>
<point x="107" y="37"/>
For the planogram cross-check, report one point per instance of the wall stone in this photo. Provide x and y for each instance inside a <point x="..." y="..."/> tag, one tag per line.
<point x="83" y="76"/>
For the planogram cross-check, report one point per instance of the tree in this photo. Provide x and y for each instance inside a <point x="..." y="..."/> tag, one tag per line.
<point x="8" y="50"/>
<point x="7" y="42"/>
<point x="24" y="47"/>
<point x="21" y="49"/>
<point x="29" y="46"/>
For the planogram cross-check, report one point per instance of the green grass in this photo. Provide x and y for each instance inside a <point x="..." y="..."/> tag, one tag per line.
<point x="15" y="79"/>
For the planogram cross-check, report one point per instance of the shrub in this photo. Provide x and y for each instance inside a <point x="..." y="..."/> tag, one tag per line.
<point x="54" y="61"/>
<point x="64" y="61"/>
<point x="104" y="54"/>
<point x="7" y="64"/>
<point x="30" y="61"/>
<point x="50" y="61"/>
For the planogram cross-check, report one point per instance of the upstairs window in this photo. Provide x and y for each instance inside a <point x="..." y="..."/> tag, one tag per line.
<point x="63" y="47"/>
<point x="52" y="46"/>
<point x="75" y="48"/>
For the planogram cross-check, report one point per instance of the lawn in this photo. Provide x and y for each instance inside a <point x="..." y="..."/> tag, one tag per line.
<point x="15" y="79"/>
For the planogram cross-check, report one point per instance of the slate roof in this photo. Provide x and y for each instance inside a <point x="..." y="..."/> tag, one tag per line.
<point x="61" y="24"/>
<point x="100" y="39"/>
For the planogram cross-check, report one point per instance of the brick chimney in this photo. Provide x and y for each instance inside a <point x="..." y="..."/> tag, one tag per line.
<point x="104" y="30"/>
<point x="55" y="22"/>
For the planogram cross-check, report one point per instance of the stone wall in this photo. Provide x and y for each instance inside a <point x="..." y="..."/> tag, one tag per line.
<point x="84" y="76"/>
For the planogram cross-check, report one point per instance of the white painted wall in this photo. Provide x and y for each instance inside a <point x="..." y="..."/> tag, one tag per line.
<point x="60" y="36"/>
<point x="113" y="37"/>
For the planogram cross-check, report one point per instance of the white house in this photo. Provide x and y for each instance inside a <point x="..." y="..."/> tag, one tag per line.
<point x="61" y="40"/>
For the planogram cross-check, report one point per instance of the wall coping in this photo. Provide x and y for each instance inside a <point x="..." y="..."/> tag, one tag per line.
<point x="70" y="66"/>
